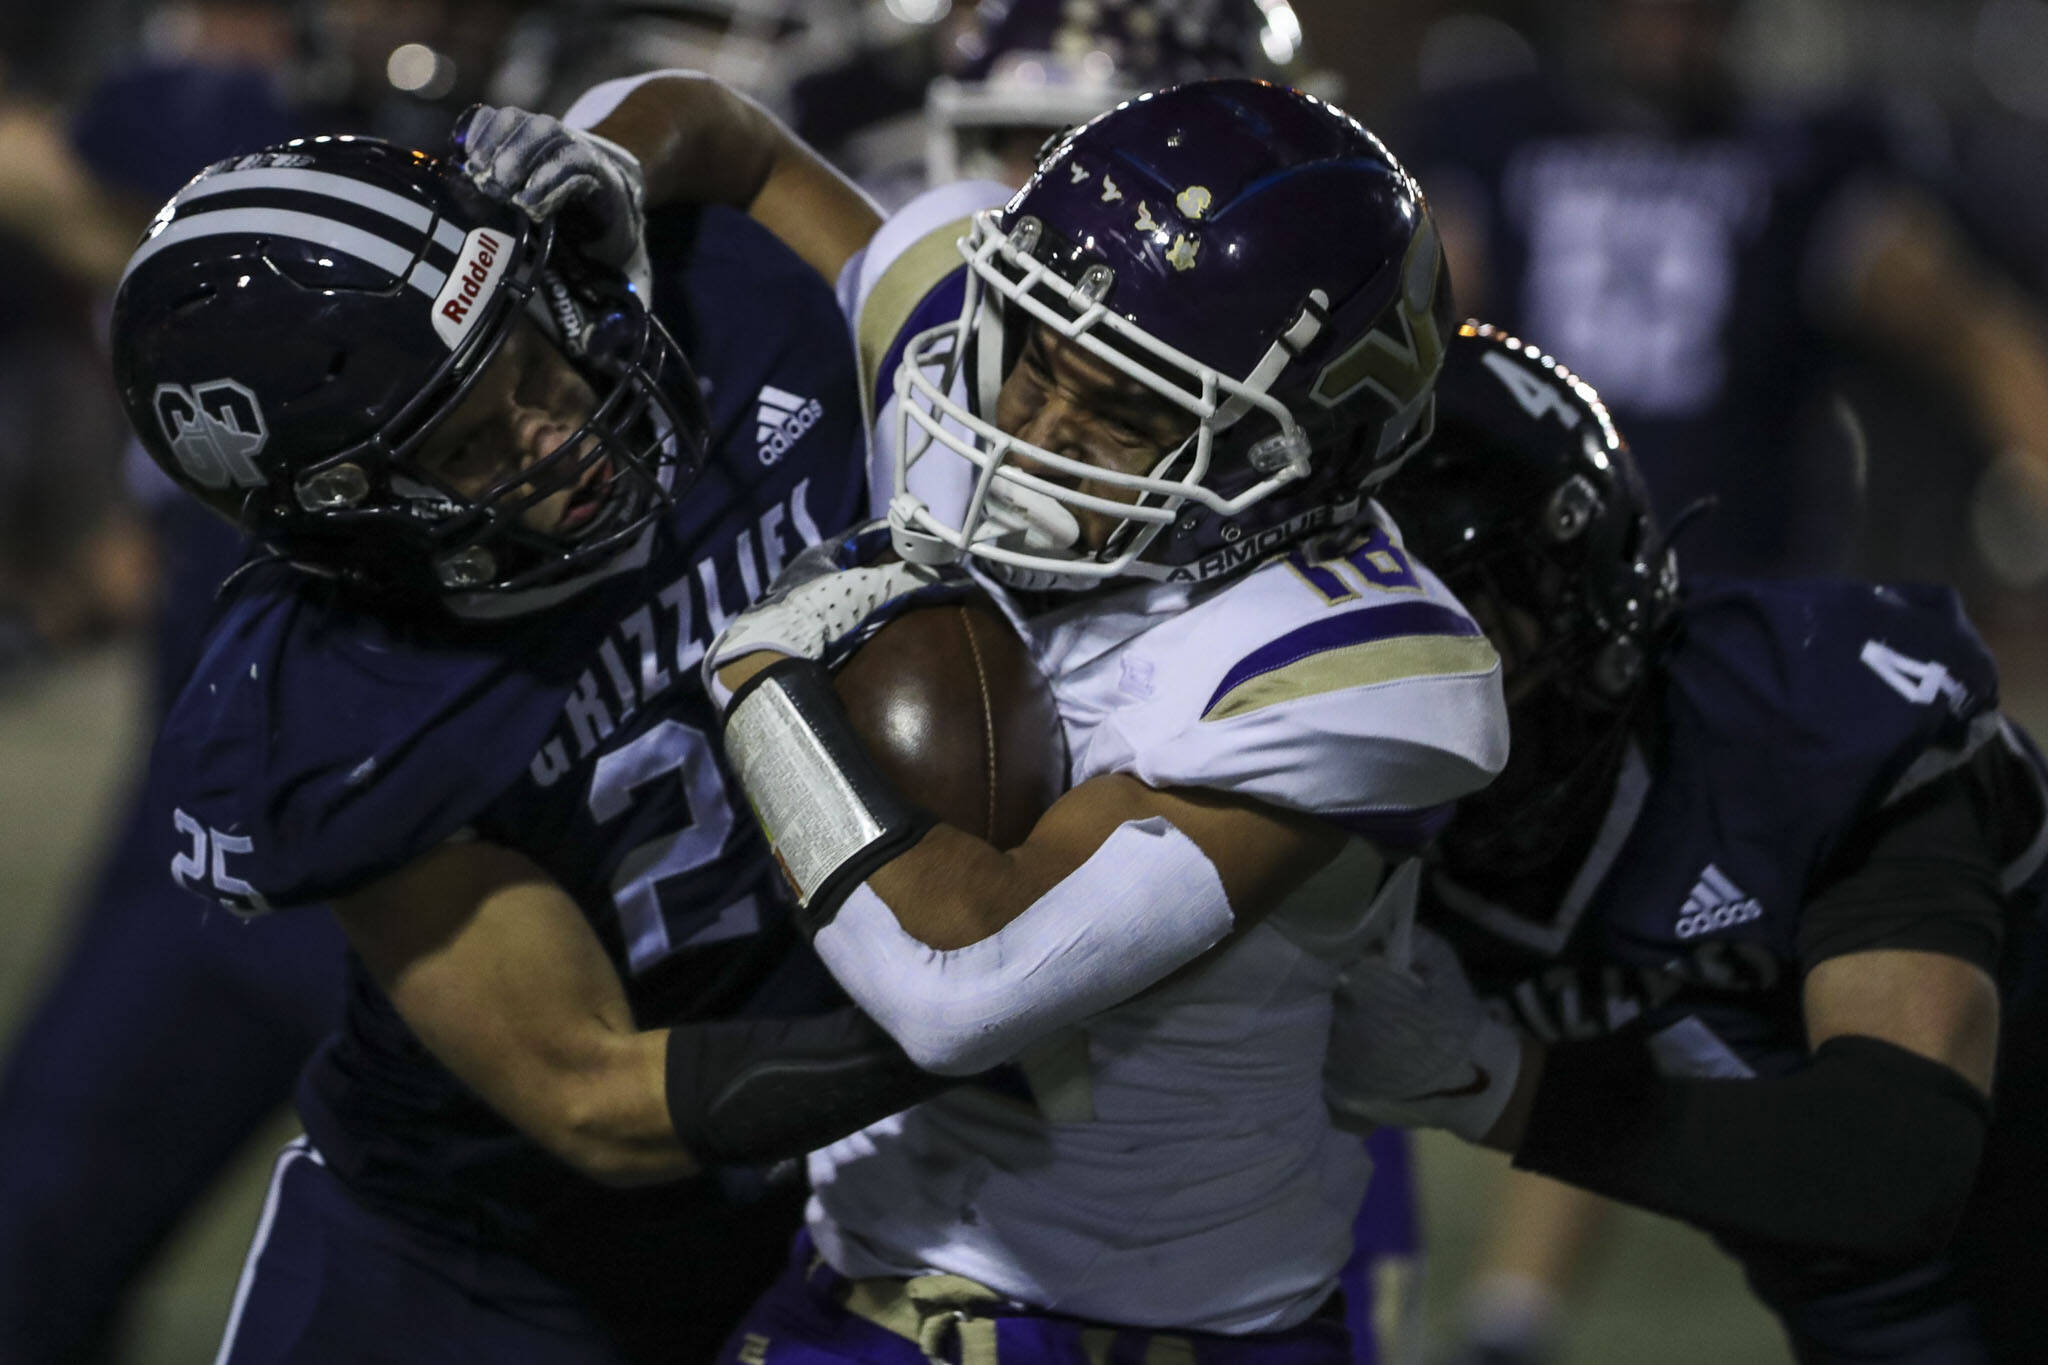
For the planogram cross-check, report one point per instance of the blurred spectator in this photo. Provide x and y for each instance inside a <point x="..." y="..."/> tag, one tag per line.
<point x="73" y="566"/>
<point x="1694" y="253"/>
<point x="972" y="91"/>
<point x="163" y="1040"/>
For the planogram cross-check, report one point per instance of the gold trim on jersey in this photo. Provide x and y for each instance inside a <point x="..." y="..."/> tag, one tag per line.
<point x="1359" y="665"/>
<point x="903" y="286"/>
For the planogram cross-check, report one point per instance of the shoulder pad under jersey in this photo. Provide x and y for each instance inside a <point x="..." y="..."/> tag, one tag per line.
<point x="315" y="748"/>
<point x="1843" y="695"/>
<point x="908" y="278"/>
<point x="1343" y="680"/>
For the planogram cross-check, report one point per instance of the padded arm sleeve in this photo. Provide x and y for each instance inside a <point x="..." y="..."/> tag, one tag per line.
<point x="757" y="1090"/>
<point x="1868" y="1149"/>
<point x="1146" y="902"/>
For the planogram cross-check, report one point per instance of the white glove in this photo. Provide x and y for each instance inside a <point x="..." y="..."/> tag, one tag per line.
<point x="1412" y="1047"/>
<point x="542" y="166"/>
<point x="825" y="602"/>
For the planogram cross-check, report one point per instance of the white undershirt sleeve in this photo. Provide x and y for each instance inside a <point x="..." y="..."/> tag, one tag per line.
<point x="1147" y="902"/>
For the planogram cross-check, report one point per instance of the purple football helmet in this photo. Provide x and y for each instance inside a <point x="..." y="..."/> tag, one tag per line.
<point x="1042" y="66"/>
<point x="1250" y="254"/>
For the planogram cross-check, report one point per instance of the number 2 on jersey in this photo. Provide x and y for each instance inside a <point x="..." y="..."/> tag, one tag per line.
<point x="665" y="748"/>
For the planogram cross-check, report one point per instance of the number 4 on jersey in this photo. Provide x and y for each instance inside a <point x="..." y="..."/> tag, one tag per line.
<point x="1919" y="681"/>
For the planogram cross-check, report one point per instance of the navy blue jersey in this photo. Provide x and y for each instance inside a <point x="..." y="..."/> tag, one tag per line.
<point x="1786" y="716"/>
<point x="318" y="746"/>
<point x="1675" y="274"/>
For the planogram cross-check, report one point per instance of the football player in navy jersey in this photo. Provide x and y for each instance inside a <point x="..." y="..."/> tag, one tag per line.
<point x="457" y="698"/>
<point x="1763" y="873"/>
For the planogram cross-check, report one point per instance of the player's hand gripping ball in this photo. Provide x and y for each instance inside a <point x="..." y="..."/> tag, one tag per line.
<point x="941" y="691"/>
<point x="951" y="706"/>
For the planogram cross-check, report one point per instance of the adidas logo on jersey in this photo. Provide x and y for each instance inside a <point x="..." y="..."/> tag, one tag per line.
<point x="1715" y="903"/>
<point x="783" y="419"/>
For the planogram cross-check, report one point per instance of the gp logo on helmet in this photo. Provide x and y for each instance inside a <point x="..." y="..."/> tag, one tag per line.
<point x="215" y="430"/>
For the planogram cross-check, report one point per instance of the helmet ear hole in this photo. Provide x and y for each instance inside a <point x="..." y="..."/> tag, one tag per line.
<point x="1570" y="509"/>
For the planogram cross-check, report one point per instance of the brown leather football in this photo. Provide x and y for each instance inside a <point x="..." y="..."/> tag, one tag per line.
<point x="951" y="706"/>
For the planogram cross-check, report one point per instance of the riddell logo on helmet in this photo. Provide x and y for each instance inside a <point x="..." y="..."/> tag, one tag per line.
<point x="470" y="285"/>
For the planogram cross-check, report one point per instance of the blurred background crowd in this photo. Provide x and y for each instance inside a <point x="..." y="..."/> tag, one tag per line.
<point x="1801" y="247"/>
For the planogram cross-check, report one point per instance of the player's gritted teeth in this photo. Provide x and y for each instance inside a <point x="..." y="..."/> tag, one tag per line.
<point x="1064" y="400"/>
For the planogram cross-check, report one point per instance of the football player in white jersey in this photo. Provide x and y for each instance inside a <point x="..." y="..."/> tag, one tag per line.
<point x="1143" y="404"/>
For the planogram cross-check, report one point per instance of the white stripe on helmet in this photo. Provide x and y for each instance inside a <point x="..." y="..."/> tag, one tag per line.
<point x="407" y="211"/>
<point x="306" y="227"/>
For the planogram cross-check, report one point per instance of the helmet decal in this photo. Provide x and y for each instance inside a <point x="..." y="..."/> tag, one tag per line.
<point x="1399" y="368"/>
<point x="464" y="297"/>
<point x="311" y="206"/>
<point x="215" y="430"/>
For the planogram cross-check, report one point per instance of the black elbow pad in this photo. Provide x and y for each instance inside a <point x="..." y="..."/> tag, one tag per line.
<point x="1868" y="1150"/>
<point x="758" y="1090"/>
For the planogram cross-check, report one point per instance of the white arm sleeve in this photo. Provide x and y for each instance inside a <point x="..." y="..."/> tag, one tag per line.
<point x="1147" y="902"/>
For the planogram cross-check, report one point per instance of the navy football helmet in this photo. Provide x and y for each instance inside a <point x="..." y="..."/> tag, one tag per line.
<point x="1251" y="255"/>
<point x="1528" y="504"/>
<point x="296" y="323"/>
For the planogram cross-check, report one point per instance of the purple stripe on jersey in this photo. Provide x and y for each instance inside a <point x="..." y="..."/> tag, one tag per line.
<point x="1387" y="622"/>
<point x="1397" y="829"/>
<point x="942" y="304"/>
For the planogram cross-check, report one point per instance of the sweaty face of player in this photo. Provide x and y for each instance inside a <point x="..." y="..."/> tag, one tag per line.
<point x="528" y="401"/>
<point x="1062" y="399"/>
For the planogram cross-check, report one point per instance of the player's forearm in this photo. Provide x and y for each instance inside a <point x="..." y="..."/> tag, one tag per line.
<point x="1868" y="1150"/>
<point x="602" y="1108"/>
<point x="635" y="1109"/>
<point x="699" y="141"/>
<point x="1108" y="895"/>
<point x="1147" y="903"/>
<point x="952" y="889"/>
<point x="493" y="968"/>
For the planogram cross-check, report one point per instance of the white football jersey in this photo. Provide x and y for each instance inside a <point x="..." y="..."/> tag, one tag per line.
<point x="1171" y="1162"/>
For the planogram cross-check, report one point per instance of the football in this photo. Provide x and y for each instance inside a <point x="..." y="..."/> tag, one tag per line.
<point x="951" y="706"/>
